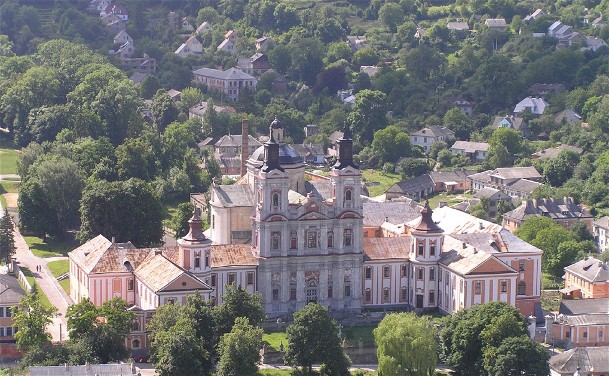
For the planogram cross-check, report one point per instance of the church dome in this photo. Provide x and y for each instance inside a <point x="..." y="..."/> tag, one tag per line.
<point x="287" y="155"/>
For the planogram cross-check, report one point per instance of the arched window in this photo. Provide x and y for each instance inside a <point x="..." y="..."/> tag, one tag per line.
<point x="421" y="249"/>
<point x="330" y="239"/>
<point x="348" y="237"/>
<point x="275" y="200"/>
<point x="293" y="240"/>
<point x="348" y="194"/>
<point x="135" y="344"/>
<point x="522" y="288"/>
<point x="432" y="250"/>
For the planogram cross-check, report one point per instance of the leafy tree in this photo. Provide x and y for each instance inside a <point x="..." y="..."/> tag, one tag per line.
<point x="581" y="232"/>
<point x="406" y="345"/>
<point x="136" y="158"/>
<point x="411" y="167"/>
<point x="307" y="58"/>
<point x="7" y="237"/>
<point x="366" y="56"/>
<point x="423" y="62"/>
<point x="462" y="345"/>
<point x="104" y="338"/>
<point x="238" y="350"/>
<point x="237" y="302"/>
<point x="368" y="115"/>
<point x="280" y="59"/>
<point x="128" y="210"/>
<point x="149" y="87"/>
<point x="164" y="110"/>
<point x="32" y="318"/>
<point x="391" y="15"/>
<point x="390" y="144"/>
<point x="189" y="97"/>
<point x="179" y="220"/>
<point x="458" y="122"/>
<point x="517" y="356"/>
<point x="35" y="214"/>
<point x="312" y="338"/>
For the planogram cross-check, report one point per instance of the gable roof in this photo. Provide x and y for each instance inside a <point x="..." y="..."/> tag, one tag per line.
<point x="528" y="172"/>
<point x="525" y="186"/>
<point x="157" y="271"/>
<point x="449" y="176"/>
<point x="100" y="255"/>
<point x="376" y="213"/>
<point x="232" y="255"/>
<point x="416" y="184"/>
<point x="489" y="192"/>
<point x="229" y="74"/>
<point x="558" y="208"/>
<point x="582" y="357"/>
<point x="584" y="306"/>
<point x="602" y="222"/>
<point x="434" y="131"/>
<point x="235" y="140"/>
<point x="234" y="195"/>
<point x="590" y="269"/>
<point x="553" y="152"/>
<point x="10" y="290"/>
<point x="509" y="121"/>
<point x="470" y="147"/>
<point x="459" y="26"/>
<point x="495" y="22"/>
<point x="536" y="105"/>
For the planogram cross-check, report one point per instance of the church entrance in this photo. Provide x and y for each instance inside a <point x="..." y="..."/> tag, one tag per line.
<point x="311" y="292"/>
<point x="419" y="301"/>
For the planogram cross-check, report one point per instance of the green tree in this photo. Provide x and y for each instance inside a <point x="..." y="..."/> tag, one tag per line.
<point x="406" y="345"/>
<point x="423" y="62"/>
<point x="461" y="343"/>
<point x="411" y="167"/>
<point x="390" y="144"/>
<point x="517" y="356"/>
<point x="239" y="350"/>
<point x="32" y="318"/>
<point x="368" y="115"/>
<point x="7" y="237"/>
<point x="391" y="15"/>
<point x="237" y="302"/>
<point x="179" y="219"/>
<point x="35" y="214"/>
<point x="190" y="97"/>
<point x="127" y="210"/>
<point x="458" y="122"/>
<point x="164" y="110"/>
<point x="149" y="87"/>
<point x="313" y="338"/>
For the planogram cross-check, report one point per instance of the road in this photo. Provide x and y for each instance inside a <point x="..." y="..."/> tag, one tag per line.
<point x="47" y="283"/>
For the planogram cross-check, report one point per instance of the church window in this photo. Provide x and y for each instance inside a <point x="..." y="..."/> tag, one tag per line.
<point x="432" y="250"/>
<point x="440" y="298"/>
<point x="386" y="295"/>
<point x="440" y="276"/>
<point x="330" y="239"/>
<point x="249" y="277"/>
<point x="292" y="293"/>
<point x="403" y="294"/>
<point x="130" y="284"/>
<point x="293" y="240"/>
<point x="432" y="274"/>
<point x="231" y="278"/>
<point x="213" y="280"/>
<point x="421" y="249"/>
<point x="503" y="286"/>
<point x="446" y="277"/>
<point x="368" y="296"/>
<point x="477" y="287"/>
<point x="206" y="261"/>
<point x="368" y="272"/>
<point x="521" y="266"/>
<point x="348" y="238"/>
<point x="213" y="221"/>
<point x="135" y="325"/>
<point x="348" y="195"/>
<point x="404" y="271"/>
<point x="275" y="294"/>
<point x="275" y="237"/>
<point x="386" y="271"/>
<point x="275" y="200"/>
<point x="421" y="274"/>
<point x="432" y="297"/>
<point x="197" y="261"/>
<point x="135" y="343"/>
<point x="347" y="290"/>
<point x="522" y="288"/>
<point x="311" y="239"/>
<point x="330" y="292"/>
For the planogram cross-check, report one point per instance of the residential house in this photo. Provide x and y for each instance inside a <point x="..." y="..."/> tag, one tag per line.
<point x="192" y="46"/>
<point x="125" y="51"/>
<point x="255" y="65"/>
<point x="114" y="24"/>
<point x="187" y="26"/>
<point x="598" y="23"/>
<point x="174" y="94"/>
<point x="600" y="230"/>
<point x="122" y="37"/>
<point x="512" y="122"/>
<point x="428" y="135"/>
<point x="581" y="322"/>
<point x="593" y="43"/>
<point x="11" y="293"/>
<point x="564" y="33"/>
<point x="426" y="184"/>
<point x="356" y="42"/>
<point x="496" y="23"/>
<point x="475" y="151"/>
<point x="536" y="106"/>
<point x="116" y="9"/>
<point x="457" y="26"/>
<point x="231" y="35"/>
<point x="312" y="154"/>
<point x="554" y="152"/>
<point x="568" y="116"/>
<point x="494" y="196"/>
<point x="464" y="105"/>
<point x="451" y="181"/>
<point x="516" y="182"/>
<point x="581" y="361"/>
<point x="420" y="33"/>
<point x="199" y="110"/>
<point x="231" y="82"/>
<point x="228" y="153"/>
<point x="264" y="43"/>
<point x="395" y="212"/>
<point x="541" y="90"/>
<point x="227" y="46"/>
<point x="97" y="6"/>
<point x="311" y="129"/>
<point x="533" y="16"/>
<point x="137" y="77"/>
<point x="586" y="279"/>
<point x="205" y="26"/>
<point x="563" y="211"/>
<point x="370" y="70"/>
<point x="144" y="64"/>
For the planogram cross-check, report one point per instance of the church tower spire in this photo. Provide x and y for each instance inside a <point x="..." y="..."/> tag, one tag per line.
<point x="271" y="153"/>
<point x="345" y="150"/>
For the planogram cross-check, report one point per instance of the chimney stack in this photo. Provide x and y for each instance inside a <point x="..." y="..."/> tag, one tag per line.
<point x="244" y="145"/>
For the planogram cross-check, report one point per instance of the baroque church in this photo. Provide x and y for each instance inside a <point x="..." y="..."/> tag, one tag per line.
<point x="297" y="238"/>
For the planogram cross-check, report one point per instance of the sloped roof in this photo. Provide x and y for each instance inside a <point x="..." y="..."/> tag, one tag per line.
<point x="489" y="192"/>
<point x="514" y="122"/>
<point x="386" y="248"/>
<point x="584" y="306"/>
<point x="495" y="22"/>
<point x="602" y="222"/>
<point x="460" y="26"/>
<point x="10" y="290"/>
<point x="156" y="272"/>
<point x="434" y="131"/>
<point x="375" y="213"/>
<point x="528" y="172"/>
<point x="232" y="255"/>
<point x="590" y="269"/>
<point x="559" y="208"/>
<point x="553" y="152"/>
<point x="536" y="105"/>
<point x="100" y="255"/>
<point x="449" y="176"/>
<point x="584" y="358"/>
<point x="470" y="147"/>
<point x="323" y="190"/>
<point x="234" y="195"/>
<point x="235" y="140"/>
<point x="459" y="259"/>
<point x="525" y="186"/>
<point x="229" y="74"/>
<point x="412" y="185"/>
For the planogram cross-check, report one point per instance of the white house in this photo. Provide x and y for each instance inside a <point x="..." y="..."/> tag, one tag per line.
<point x="537" y="106"/>
<point x="191" y="47"/>
<point x="428" y="135"/>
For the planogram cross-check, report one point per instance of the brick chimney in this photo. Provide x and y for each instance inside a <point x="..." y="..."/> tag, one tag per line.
<point x="244" y="145"/>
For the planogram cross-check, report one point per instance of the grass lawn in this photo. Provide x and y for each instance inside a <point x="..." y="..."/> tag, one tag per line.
<point x="384" y="181"/>
<point x="549" y="282"/>
<point x="274" y="340"/>
<point x="8" y="161"/>
<point x="58" y="268"/>
<point x="50" y="248"/>
<point x="285" y="372"/>
<point x="31" y="280"/>
<point x="354" y="333"/>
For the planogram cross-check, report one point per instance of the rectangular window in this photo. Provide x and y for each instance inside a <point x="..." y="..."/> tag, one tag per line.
<point x="231" y="278"/>
<point x="365" y="234"/>
<point x="1" y="332"/>
<point x="377" y="233"/>
<point x="197" y="261"/>
<point x="403" y="294"/>
<point x="446" y="277"/>
<point x="2" y="311"/>
<point x="347" y="290"/>
<point x="311" y="239"/>
<point x="292" y="293"/>
<point x="330" y="292"/>
<point x="421" y="274"/>
<point x="440" y="276"/>
<point x="585" y="333"/>
<point x="386" y="271"/>
<point x="275" y="240"/>
<point x="432" y="250"/>
<point x="477" y="287"/>
<point x="206" y="261"/>
<point x="213" y="221"/>
<point x="403" y="271"/>
<point x="432" y="274"/>
<point x="421" y="249"/>
<point x="504" y="285"/>
<point x="440" y="298"/>
<point x="368" y="272"/>
<point x="249" y="277"/>
<point x="432" y="297"/>
<point x="130" y="284"/>
<point x="368" y="296"/>
<point x="116" y="285"/>
<point x="275" y="294"/>
<point x="521" y="265"/>
<point x="386" y="296"/>
<point x="348" y="238"/>
<point x="600" y="334"/>
<point x="213" y="280"/>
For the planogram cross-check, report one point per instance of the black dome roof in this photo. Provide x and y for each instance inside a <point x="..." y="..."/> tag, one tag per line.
<point x="287" y="155"/>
